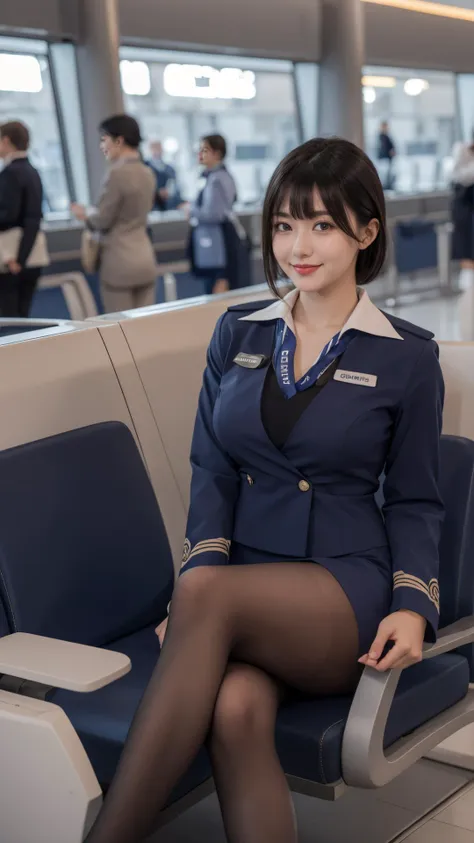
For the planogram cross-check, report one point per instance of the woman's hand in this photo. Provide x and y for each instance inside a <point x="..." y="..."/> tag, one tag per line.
<point x="161" y="630"/>
<point x="79" y="211"/>
<point x="13" y="267"/>
<point x="406" y="629"/>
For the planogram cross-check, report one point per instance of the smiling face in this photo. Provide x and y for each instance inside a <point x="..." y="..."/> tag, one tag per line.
<point x="323" y="220"/>
<point x="111" y="147"/>
<point x="313" y="252"/>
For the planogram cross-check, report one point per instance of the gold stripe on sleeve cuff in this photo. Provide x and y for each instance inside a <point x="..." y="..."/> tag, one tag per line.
<point x="205" y="546"/>
<point x="430" y="590"/>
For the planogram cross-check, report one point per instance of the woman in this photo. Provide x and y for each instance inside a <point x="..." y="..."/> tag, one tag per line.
<point x="127" y="260"/>
<point x="291" y="578"/>
<point x="214" y="244"/>
<point x="463" y="211"/>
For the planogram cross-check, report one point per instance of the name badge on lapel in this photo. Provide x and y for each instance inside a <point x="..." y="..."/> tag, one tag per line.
<point x="250" y="361"/>
<point x="359" y="378"/>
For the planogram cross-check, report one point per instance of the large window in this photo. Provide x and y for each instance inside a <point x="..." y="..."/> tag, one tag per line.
<point x="26" y="94"/>
<point x="420" y="108"/>
<point x="177" y="97"/>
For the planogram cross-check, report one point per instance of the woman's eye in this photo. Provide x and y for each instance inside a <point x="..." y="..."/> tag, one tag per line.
<point x="282" y="226"/>
<point x="323" y="226"/>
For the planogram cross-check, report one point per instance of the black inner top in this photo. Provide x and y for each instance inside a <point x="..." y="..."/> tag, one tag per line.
<point x="280" y="414"/>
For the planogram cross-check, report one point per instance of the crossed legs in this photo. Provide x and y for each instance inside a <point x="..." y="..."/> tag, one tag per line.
<point x="237" y="635"/>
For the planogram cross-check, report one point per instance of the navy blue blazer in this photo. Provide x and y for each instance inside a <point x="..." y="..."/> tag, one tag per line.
<point x="315" y="496"/>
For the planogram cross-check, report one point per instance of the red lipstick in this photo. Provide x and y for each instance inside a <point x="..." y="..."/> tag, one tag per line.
<point x="305" y="268"/>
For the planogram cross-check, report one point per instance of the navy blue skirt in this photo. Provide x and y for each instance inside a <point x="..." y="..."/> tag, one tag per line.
<point x="463" y="219"/>
<point x="366" y="579"/>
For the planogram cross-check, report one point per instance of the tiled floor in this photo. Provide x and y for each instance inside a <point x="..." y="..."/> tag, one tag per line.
<point x="454" y="824"/>
<point x="449" y="318"/>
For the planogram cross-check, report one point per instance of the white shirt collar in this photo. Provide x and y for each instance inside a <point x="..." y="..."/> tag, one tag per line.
<point x="365" y="317"/>
<point x="13" y="157"/>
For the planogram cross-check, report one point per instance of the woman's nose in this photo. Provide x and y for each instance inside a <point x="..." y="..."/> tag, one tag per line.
<point x="303" y="245"/>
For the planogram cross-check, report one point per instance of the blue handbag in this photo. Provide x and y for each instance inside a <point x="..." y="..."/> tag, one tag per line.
<point x="209" y="246"/>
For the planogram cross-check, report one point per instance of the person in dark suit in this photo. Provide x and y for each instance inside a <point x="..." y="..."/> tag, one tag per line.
<point x="21" y="200"/>
<point x="168" y="196"/>
<point x="386" y="152"/>
<point x="292" y="575"/>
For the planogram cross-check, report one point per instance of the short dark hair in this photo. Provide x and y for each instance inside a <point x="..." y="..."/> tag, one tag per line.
<point x="346" y="179"/>
<point x="122" y="126"/>
<point x="217" y="144"/>
<point x="17" y="133"/>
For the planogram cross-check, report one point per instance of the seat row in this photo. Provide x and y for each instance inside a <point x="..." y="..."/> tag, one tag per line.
<point x="94" y="475"/>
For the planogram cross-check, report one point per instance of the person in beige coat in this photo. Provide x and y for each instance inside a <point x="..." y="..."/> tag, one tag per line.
<point x="127" y="259"/>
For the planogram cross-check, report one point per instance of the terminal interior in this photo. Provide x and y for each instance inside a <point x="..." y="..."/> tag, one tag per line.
<point x="98" y="408"/>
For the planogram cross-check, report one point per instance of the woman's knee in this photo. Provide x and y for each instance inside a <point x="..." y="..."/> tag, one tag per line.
<point x="196" y="588"/>
<point x="246" y="707"/>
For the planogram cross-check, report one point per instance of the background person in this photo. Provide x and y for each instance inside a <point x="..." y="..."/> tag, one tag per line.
<point x="214" y="243"/>
<point x="386" y="152"/>
<point x="168" y="196"/>
<point x="127" y="259"/>
<point x="21" y="199"/>
<point x="463" y="211"/>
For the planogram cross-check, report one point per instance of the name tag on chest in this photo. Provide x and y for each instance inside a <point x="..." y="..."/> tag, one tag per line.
<point x="358" y="378"/>
<point x="250" y="361"/>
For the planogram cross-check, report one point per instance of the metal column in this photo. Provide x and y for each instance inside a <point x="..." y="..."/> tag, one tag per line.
<point x="99" y="77"/>
<point x="340" y="92"/>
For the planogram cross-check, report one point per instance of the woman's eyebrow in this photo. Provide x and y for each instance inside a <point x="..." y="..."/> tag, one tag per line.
<point x="313" y="215"/>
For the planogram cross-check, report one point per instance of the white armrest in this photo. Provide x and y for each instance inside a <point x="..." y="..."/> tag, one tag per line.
<point x="61" y="664"/>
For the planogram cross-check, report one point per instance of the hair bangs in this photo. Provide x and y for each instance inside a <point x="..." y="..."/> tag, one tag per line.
<point x="296" y="193"/>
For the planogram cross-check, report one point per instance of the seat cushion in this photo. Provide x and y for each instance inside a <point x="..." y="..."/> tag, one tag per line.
<point x="102" y="719"/>
<point x="309" y="732"/>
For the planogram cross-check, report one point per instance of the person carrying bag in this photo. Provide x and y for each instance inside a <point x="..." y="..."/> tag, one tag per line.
<point x="23" y="247"/>
<point x="218" y="246"/>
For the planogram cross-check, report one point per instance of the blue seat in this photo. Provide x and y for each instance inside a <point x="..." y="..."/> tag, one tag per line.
<point x="84" y="556"/>
<point x="49" y="304"/>
<point x="97" y="553"/>
<point x="416" y="246"/>
<point x="103" y="719"/>
<point x="310" y="732"/>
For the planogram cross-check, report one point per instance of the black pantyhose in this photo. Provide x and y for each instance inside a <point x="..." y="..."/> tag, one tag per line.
<point x="236" y="636"/>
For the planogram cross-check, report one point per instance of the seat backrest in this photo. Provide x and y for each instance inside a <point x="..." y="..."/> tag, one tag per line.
<point x="84" y="555"/>
<point x="457" y="537"/>
<point x="457" y="363"/>
<point x="4" y="625"/>
<point x="168" y="344"/>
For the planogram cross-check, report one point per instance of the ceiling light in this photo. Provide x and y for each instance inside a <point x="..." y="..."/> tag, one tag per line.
<point x="171" y="145"/>
<point x="21" y="74"/>
<point x="428" y="8"/>
<point x="379" y="81"/>
<point x="135" y="77"/>
<point x="415" y="87"/>
<point x="204" y="82"/>
<point x="369" y="95"/>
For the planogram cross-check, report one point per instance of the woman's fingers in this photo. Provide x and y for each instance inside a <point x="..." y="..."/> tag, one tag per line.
<point x="402" y="654"/>
<point x="161" y="630"/>
<point x="405" y="630"/>
<point x="372" y="657"/>
<point x="397" y="655"/>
